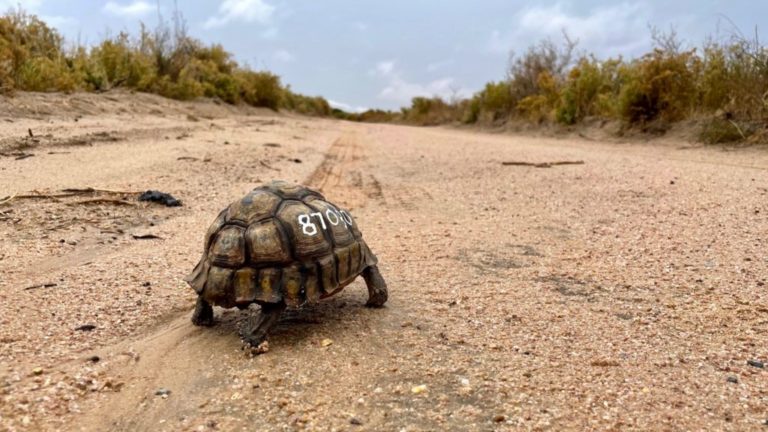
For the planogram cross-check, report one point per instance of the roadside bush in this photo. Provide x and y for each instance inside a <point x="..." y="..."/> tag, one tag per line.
<point x="540" y="107"/>
<point x="725" y="82"/>
<point x="588" y="91"/>
<point x="494" y="102"/>
<point x="723" y="130"/>
<point x="29" y="47"/>
<point x="309" y="105"/>
<point x="661" y="85"/>
<point x="116" y="62"/>
<point x="431" y="111"/>
<point x="542" y="65"/>
<point x="162" y="61"/>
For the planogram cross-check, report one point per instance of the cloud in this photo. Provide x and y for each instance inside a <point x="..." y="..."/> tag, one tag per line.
<point x="134" y="9"/>
<point x="607" y="30"/>
<point x="270" y="33"/>
<point x="384" y="68"/>
<point x="401" y="91"/>
<point x="435" y="66"/>
<point x="241" y="10"/>
<point x="284" y="56"/>
<point x="346" y="107"/>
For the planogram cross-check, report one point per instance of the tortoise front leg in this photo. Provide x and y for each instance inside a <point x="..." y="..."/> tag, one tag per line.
<point x="377" y="288"/>
<point x="203" y="314"/>
<point x="258" y="327"/>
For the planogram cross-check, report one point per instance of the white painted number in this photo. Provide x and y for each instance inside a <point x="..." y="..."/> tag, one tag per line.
<point x="333" y="220"/>
<point x="347" y="218"/>
<point x="334" y="216"/>
<point x="319" y="216"/>
<point x="307" y="227"/>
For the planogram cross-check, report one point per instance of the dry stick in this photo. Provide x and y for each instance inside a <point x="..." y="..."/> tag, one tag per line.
<point x="738" y="129"/>
<point x="542" y="164"/>
<point x="69" y="192"/>
<point x="264" y="164"/>
<point x="92" y="190"/>
<point x="6" y="200"/>
<point x="103" y="201"/>
<point x="43" y="285"/>
<point x="145" y="236"/>
<point x="33" y="196"/>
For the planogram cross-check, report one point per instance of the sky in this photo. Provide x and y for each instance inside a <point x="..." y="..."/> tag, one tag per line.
<point x="363" y="54"/>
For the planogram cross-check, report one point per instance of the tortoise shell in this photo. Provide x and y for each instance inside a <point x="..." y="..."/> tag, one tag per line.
<point x="280" y="243"/>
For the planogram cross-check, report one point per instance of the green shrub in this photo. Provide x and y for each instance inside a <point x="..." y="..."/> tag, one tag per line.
<point x="661" y="85"/>
<point x="309" y="105"/>
<point x="28" y="47"/>
<point x="43" y="74"/>
<point x="431" y="111"/>
<point x="496" y="100"/>
<point x="540" y="107"/>
<point x="171" y="64"/>
<point x="588" y="90"/>
<point x="723" y="131"/>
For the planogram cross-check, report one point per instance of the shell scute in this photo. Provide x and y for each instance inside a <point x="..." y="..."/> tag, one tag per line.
<point x="304" y="231"/>
<point x="228" y="248"/>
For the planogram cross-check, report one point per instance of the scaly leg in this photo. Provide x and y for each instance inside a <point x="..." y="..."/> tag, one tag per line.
<point x="377" y="288"/>
<point x="257" y="329"/>
<point x="203" y="315"/>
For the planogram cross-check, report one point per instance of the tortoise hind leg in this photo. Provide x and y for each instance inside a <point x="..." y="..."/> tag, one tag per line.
<point x="377" y="288"/>
<point x="203" y="314"/>
<point x="258" y="327"/>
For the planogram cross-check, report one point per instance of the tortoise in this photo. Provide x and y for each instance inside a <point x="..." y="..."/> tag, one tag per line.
<point x="281" y="245"/>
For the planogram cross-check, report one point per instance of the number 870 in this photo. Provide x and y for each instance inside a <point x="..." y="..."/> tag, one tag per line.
<point x="334" y="218"/>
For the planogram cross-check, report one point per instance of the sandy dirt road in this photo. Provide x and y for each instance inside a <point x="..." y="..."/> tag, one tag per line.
<point x="627" y="293"/>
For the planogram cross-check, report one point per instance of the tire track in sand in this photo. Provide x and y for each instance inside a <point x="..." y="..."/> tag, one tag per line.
<point x="342" y="174"/>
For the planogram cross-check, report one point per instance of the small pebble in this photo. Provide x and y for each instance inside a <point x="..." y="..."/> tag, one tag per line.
<point x="326" y="342"/>
<point x="355" y="421"/>
<point x="732" y="379"/>
<point x="94" y="359"/>
<point x="162" y="392"/>
<point x="756" y="363"/>
<point x="419" y="389"/>
<point x="37" y="371"/>
<point x="499" y="418"/>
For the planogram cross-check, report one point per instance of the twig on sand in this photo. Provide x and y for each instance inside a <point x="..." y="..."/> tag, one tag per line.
<point x="103" y="201"/>
<point x="266" y="165"/>
<point x="542" y="164"/>
<point x="8" y="199"/>
<point x="94" y="190"/>
<point x="145" y="237"/>
<point x="69" y="192"/>
<point x="42" y="285"/>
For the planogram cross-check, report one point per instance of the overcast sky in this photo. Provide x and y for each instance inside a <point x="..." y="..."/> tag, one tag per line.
<point x="364" y="53"/>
